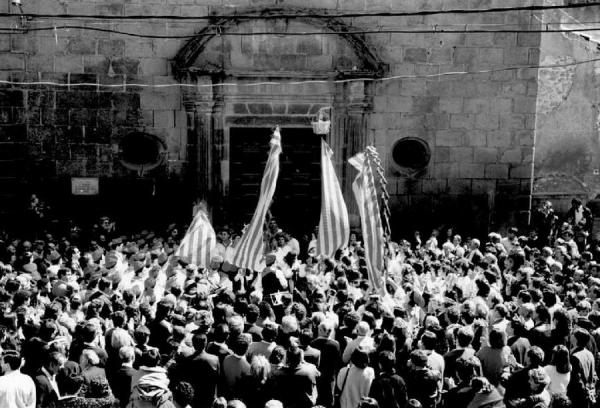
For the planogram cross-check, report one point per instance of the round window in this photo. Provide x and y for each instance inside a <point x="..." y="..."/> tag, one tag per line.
<point x="411" y="153"/>
<point x="141" y="150"/>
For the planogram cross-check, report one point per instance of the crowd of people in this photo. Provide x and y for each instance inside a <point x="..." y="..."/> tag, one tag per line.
<point x="104" y="319"/>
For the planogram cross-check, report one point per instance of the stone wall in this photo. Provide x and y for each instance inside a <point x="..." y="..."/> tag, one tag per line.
<point x="479" y="127"/>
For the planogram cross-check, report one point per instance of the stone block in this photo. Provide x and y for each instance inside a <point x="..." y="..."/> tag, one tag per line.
<point x="462" y="121"/>
<point x="432" y="186"/>
<point x="525" y="105"/>
<point x="399" y="104"/>
<point x="441" y="55"/>
<point x="514" y="121"/>
<point x="12" y="62"/>
<point x="516" y="56"/>
<point x="413" y="55"/>
<point x="478" y="105"/>
<point x="496" y="171"/>
<point x="10" y="97"/>
<point x="310" y="46"/>
<point x="81" y="46"/>
<point x="260" y="108"/>
<point x="487" y="121"/>
<point x="450" y="104"/>
<point x="529" y="39"/>
<point x="112" y="9"/>
<point x="499" y="138"/>
<point x="138" y="47"/>
<point x="475" y="138"/>
<point x="320" y="62"/>
<point x="153" y="66"/>
<point x="515" y="88"/>
<point x="486" y="155"/>
<point x="164" y="118"/>
<point x="442" y="170"/>
<point x="461" y="154"/>
<point x="442" y="154"/>
<point x="414" y="87"/>
<point x="111" y="48"/>
<point x="425" y="103"/>
<point x="451" y="138"/>
<point x="480" y="40"/>
<point x="483" y="186"/>
<point x="501" y="105"/>
<point x="427" y="69"/>
<point x="460" y="186"/>
<point x="4" y="43"/>
<point x="69" y="64"/>
<point x="512" y="156"/>
<point x="437" y="121"/>
<point x="525" y="137"/>
<point x="464" y="55"/>
<point x="298" y="109"/>
<point x="523" y="171"/>
<point x="505" y="39"/>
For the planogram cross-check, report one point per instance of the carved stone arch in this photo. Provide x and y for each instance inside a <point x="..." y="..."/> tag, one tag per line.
<point x="188" y="54"/>
<point x="206" y="64"/>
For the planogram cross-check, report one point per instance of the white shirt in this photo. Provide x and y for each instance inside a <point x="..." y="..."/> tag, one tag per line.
<point x="558" y="381"/>
<point x="17" y="390"/>
<point x="226" y="252"/>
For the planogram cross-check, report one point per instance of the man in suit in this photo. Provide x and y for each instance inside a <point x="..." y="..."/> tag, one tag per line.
<point x="202" y="371"/>
<point x="218" y="346"/>
<point x="124" y="375"/>
<point x="46" y="390"/>
<point x="583" y="375"/>
<point x="311" y="354"/>
<point x="330" y="362"/>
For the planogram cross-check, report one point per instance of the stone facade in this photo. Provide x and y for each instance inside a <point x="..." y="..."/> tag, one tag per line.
<point x="479" y="127"/>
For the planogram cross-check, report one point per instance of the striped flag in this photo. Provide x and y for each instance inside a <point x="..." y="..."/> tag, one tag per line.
<point x="199" y="240"/>
<point x="365" y="193"/>
<point x="334" y="228"/>
<point x="250" y="249"/>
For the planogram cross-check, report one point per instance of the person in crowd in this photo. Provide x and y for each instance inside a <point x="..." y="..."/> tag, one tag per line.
<point x="16" y="389"/>
<point x="46" y="389"/>
<point x="559" y="370"/>
<point x="388" y="388"/>
<point x="354" y="381"/>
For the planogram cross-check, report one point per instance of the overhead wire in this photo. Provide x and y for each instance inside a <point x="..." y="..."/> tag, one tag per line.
<point x="294" y="83"/>
<point x="210" y="33"/>
<point x="270" y="13"/>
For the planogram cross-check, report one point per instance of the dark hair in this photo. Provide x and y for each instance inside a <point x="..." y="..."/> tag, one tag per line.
<point x="13" y="359"/>
<point x="497" y="339"/>
<point x="561" y="359"/>
<point x="221" y="332"/>
<point x="543" y="313"/>
<point x="150" y="358"/>
<point x="141" y="334"/>
<point x="294" y="357"/>
<point x="464" y="337"/>
<point x="199" y="342"/>
<point x="88" y="332"/>
<point x="429" y="340"/>
<point x="360" y="358"/>
<point x="277" y="355"/>
<point x="269" y="332"/>
<point x="183" y="393"/>
<point x="536" y="356"/>
<point x="240" y="344"/>
<point x="252" y="313"/>
<point x="387" y="361"/>
<point x="68" y="382"/>
<point x="467" y="368"/>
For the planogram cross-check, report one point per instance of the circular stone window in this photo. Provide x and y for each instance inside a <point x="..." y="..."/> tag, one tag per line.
<point x="139" y="150"/>
<point x="411" y="153"/>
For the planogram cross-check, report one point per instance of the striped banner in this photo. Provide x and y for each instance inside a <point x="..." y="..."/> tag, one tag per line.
<point x="250" y="249"/>
<point x="334" y="228"/>
<point x="199" y="241"/>
<point x="365" y="192"/>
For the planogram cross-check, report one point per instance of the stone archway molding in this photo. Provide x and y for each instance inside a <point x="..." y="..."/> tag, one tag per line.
<point x="187" y="55"/>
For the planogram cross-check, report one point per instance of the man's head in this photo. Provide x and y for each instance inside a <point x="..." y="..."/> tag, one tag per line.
<point x="199" y="342"/>
<point x="11" y="361"/>
<point x="127" y="354"/>
<point x="54" y="362"/>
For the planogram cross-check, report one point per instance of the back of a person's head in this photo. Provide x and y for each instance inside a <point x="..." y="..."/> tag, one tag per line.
<point x="183" y="393"/>
<point x="260" y="368"/>
<point x="269" y="332"/>
<point x="69" y="379"/>
<point x="199" y="341"/>
<point x="236" y="404"/>
<point x="273" y="404"/>
<point x="150" y="358"/>
<point x="535" y="356"/>
<point x="141" y="334"/>
<point x="88" y="333"/>
<point x="127" y="354"/>
<point x="387" y="361"/>
<point x="428" y="340"/>
<point x="497" y="339"/>
<point x="360" y="358"/>
<point x="13" y="359"/>
<point x="240" y="344"/>
<point x="467" y="368"/>
<point x="277" y="355"/>
<point x="289" y="324"/>
<point x="252" y="313"/>
<point x="219" y="403"/>
<point x="294" y="356"/>
<point x="582" y="337"/>
<point x="560" y="401"/>
<point x="221" y="332"/>
<point x="464" y="336"/>
<point x="306" y="336"/>
<point x="119" y="338"/>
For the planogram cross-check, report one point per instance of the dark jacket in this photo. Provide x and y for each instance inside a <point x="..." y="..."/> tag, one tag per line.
<point x="44" y="393"/>
<point x="202" y="371"/>
<point x="389" y="390"/>
<point x="122" y="384"/>
<point x="583" y="376"/>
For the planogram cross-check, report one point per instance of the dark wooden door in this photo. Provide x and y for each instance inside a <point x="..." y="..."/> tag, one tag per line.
<point x="297" y="201"/>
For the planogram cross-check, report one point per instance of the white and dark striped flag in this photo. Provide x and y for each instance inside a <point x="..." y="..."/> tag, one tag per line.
<point x="365" y="192"/>
<point x="250" y="249"/>
<point x="334" y="228"/>
<point x="199" y="240"/>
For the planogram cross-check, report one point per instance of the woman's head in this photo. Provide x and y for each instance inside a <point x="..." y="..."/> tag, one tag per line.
<point x="260" y="368"/>
<point x="561" y="359"/>
<point x="360" y="358"/>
